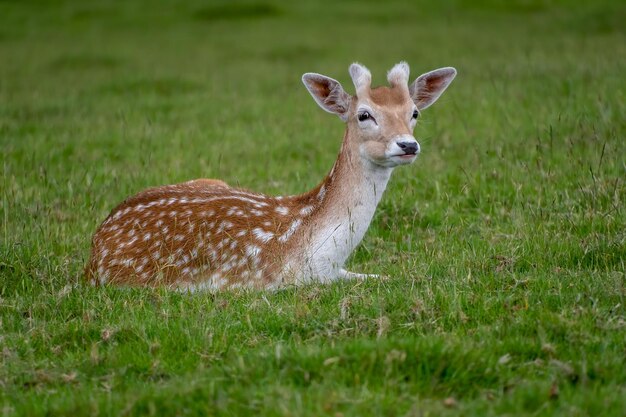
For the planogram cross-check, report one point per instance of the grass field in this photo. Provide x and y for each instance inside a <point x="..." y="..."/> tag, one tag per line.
<point x="505" y="243"/>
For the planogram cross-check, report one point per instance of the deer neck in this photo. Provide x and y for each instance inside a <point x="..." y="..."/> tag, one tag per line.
<point x="346" y="201"/>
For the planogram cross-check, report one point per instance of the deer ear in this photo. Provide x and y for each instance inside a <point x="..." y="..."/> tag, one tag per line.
<point x="427" y="88"/>
<point x="328" y="94"/>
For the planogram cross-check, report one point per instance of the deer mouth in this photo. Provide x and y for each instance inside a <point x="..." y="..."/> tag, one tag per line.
<point x="403" y="158"/>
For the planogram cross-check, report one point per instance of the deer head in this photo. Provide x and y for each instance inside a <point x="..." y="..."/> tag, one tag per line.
<point x="380" y="120"/>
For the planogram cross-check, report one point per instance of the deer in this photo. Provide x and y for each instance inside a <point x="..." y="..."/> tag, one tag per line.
<point x="206" y="235"/>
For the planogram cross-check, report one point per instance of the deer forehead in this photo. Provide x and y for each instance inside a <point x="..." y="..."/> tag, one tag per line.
<point x="387" y="99"/>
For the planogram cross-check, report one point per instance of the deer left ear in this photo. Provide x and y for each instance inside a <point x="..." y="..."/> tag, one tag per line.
<point x="427" y="88"/>
<point x="328" y="94"/>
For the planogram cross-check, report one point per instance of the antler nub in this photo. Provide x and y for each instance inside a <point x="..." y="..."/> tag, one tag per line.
<point x="361" y="77"/>
<point x="399" y="74"/>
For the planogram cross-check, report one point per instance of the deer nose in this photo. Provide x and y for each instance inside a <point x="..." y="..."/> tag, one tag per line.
<point x="409" y="148"/>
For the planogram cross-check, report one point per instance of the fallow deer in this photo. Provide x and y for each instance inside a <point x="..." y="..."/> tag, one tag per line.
<point x="203" y="234"/>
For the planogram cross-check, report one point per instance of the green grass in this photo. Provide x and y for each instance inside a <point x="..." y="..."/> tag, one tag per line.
<point x="505" y="243"/>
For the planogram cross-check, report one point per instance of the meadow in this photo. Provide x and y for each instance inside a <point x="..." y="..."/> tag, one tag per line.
<point x="504" y="244"/>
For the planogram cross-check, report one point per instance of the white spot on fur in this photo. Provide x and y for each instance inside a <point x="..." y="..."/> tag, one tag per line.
<point x="249" y="198"/>
<point x="253" y="251"/>
<point x="292" y="229"/>
<point x="282" y="210"/>
<point x="306" y="210"/>
<point x="103" y="277"/>
<point x="214" y="283"/>
<point x="225" y="226"/>
<point x="262" y="235"/>
<point x="322" y="192"/>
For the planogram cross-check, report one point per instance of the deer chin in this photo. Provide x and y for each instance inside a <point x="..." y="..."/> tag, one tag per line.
<point x="405" y="159"/>
<point x="393" y="161"/>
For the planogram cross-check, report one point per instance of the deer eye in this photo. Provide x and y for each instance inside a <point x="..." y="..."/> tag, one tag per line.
<point x="363" y="116"/>
<point x="416" y="114"/>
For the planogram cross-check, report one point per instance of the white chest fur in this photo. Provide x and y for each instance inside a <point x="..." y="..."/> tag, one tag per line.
<point x="340" y="228"/>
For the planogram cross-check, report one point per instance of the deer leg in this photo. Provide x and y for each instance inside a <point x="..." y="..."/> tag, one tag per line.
<point x="344" y="274"/>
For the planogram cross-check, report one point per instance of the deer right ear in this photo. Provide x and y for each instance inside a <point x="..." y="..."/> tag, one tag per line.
<point x="328" y="94"/>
